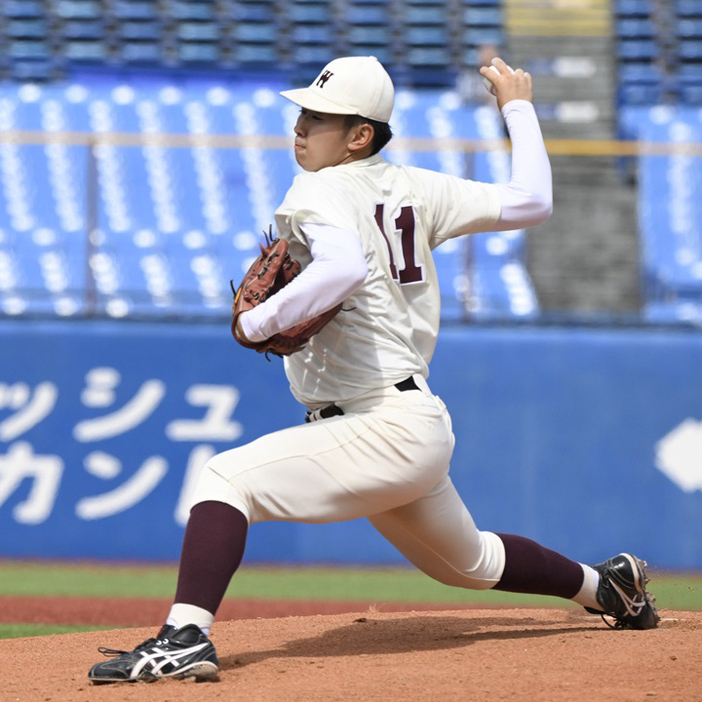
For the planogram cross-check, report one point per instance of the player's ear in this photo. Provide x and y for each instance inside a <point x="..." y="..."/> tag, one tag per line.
<point x="360" y="137"/>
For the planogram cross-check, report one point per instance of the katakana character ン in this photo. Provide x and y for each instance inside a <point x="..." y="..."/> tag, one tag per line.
<point x="216" y="425"/>
<point x="128" y="494"/>
<point x="29" y="407"/>
<point x="99" y="392"/>
<point x="19" y="463"/>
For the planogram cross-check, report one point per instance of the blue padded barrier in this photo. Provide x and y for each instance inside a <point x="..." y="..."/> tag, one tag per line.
<point x="553" y="413"/>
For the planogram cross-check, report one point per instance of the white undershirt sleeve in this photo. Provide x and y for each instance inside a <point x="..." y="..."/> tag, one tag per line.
<point x="337" y="269"/>
<point x="528" y="198"/>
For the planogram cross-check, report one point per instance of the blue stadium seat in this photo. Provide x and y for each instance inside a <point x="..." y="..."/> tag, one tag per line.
<point x="83" y="29"/>
<point x="147" y="30"/>
<point x="319" y="12"/>
<point x="690" y="28"/>
<point x="253" y="12"/>
<point x="477" y="36"/>
<point x="193" y="10"/>
<point x="639" y="94"/>
<point x="39" y="70"/>
<point x="85" y="51"/>
<point x="255" y="54"/>
<point x="369" y="35"/>
<point x="382" y="52"/>
<point x="23" y="8"/>
<point x="635" y="28"/>
<point x="27" y="28"/>
<point x="311" y="34"/>
<point x="198" y="31"/>
<point x="690" y="71"/>
<point x="426" y="36"/>
<point x="198" y="52"/>
<point x="690" y="50"/>
<point x="135" y="9"/>
<point x="425" y="15"/>
<point x="632" y="8"/>
<point x="314" y="55"/>
<point x="368" y="14"/>
<point x="253" y="32"/>
<point x="482" y="16"/>
<point x="639" y="72"/>
<point x="78" y="9"/>
<point x="688" y="8"/>
<point x="428" y="56"/>
<point x="169" y="217"/>
<point x="690" y="94"/>
<point x="637" y="49"/>
<point x="21" y="49"/>
<point x="670" y="236"/>
<point x="140" y="52"/>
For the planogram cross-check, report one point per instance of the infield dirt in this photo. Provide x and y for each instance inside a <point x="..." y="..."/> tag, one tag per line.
<point x="476" y="654"/>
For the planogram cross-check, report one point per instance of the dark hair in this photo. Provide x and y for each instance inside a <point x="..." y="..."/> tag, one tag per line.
<point x="381" y="131"/>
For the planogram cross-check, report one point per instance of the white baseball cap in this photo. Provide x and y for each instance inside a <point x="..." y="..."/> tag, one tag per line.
<point x="353" y="85"/>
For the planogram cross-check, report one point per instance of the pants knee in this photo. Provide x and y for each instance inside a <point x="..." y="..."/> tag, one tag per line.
<point x="211" y="486"/>
<point x="482" y="572"/>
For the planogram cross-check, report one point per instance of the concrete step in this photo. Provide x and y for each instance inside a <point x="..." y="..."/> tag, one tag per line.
<point x="559" y="46"/>
<point x="586" y="257"/>
<point x="553" y="129"/>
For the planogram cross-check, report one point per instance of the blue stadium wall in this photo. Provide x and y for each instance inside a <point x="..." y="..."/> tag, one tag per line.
<point x="588" y="440"/>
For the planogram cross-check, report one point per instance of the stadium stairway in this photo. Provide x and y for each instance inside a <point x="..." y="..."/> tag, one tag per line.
<point x="585" y="259"/>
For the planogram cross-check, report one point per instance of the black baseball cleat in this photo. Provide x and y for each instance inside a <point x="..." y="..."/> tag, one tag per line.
<point x="174" y="653"/>
<point x="622" y="594"/>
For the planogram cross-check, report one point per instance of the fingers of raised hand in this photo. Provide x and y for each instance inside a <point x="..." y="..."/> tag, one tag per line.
<point x="510" y="82"/>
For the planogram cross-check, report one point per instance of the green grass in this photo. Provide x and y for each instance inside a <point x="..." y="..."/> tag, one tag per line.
<point x="17" y="631"/>
<point x="673" y="591"/>
<point x="379" y="586"/>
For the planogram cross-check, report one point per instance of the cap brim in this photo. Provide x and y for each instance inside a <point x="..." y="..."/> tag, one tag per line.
<point x="311" y="100"/>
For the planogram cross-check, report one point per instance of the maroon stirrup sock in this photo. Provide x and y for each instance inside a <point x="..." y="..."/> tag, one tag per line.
<point x="213" y="546"/>
<point x="531" y="568"/>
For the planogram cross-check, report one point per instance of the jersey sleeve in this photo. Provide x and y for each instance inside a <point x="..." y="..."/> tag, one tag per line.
<point x="455" y="206"/>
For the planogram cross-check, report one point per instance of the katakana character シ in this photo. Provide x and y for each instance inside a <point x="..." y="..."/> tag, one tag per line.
<point x="99" y="392"/>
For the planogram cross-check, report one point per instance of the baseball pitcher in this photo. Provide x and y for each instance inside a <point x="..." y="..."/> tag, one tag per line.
<point x="356" y="318"/>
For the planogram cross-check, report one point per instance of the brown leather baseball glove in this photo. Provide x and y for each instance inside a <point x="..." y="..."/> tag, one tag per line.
<point x="268" y="274"/>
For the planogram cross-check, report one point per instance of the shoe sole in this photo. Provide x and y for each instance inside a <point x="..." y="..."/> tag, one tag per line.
<point x="202" y="671"/>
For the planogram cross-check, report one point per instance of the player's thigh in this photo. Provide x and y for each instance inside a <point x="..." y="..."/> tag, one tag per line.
<point x="438" y="535"/>
<point x="335" y="469"/>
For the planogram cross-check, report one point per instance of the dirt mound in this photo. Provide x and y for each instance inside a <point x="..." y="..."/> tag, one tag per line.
<point x="151" y="611"/>
<point x="506" y="654"/>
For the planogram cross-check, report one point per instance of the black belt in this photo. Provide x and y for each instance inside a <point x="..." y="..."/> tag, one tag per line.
<point x="336" y="411"/>
<point x="407" y="384"/>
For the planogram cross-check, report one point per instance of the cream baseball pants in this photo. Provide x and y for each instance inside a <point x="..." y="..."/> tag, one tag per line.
<point x="386" y="458"/>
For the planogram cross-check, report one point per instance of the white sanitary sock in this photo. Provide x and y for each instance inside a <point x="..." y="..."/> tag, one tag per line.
<point x="182" y="614"/>
<point x="587" y="595"/>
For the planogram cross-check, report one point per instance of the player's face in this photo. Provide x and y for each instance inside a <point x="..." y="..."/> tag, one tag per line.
<point x="321" y="140"/>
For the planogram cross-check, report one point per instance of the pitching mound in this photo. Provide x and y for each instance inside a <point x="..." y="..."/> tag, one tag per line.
<point x="505" y="654"/>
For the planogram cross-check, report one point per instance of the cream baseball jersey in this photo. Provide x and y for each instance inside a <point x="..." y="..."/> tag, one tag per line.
<point x="387" y="329"/>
